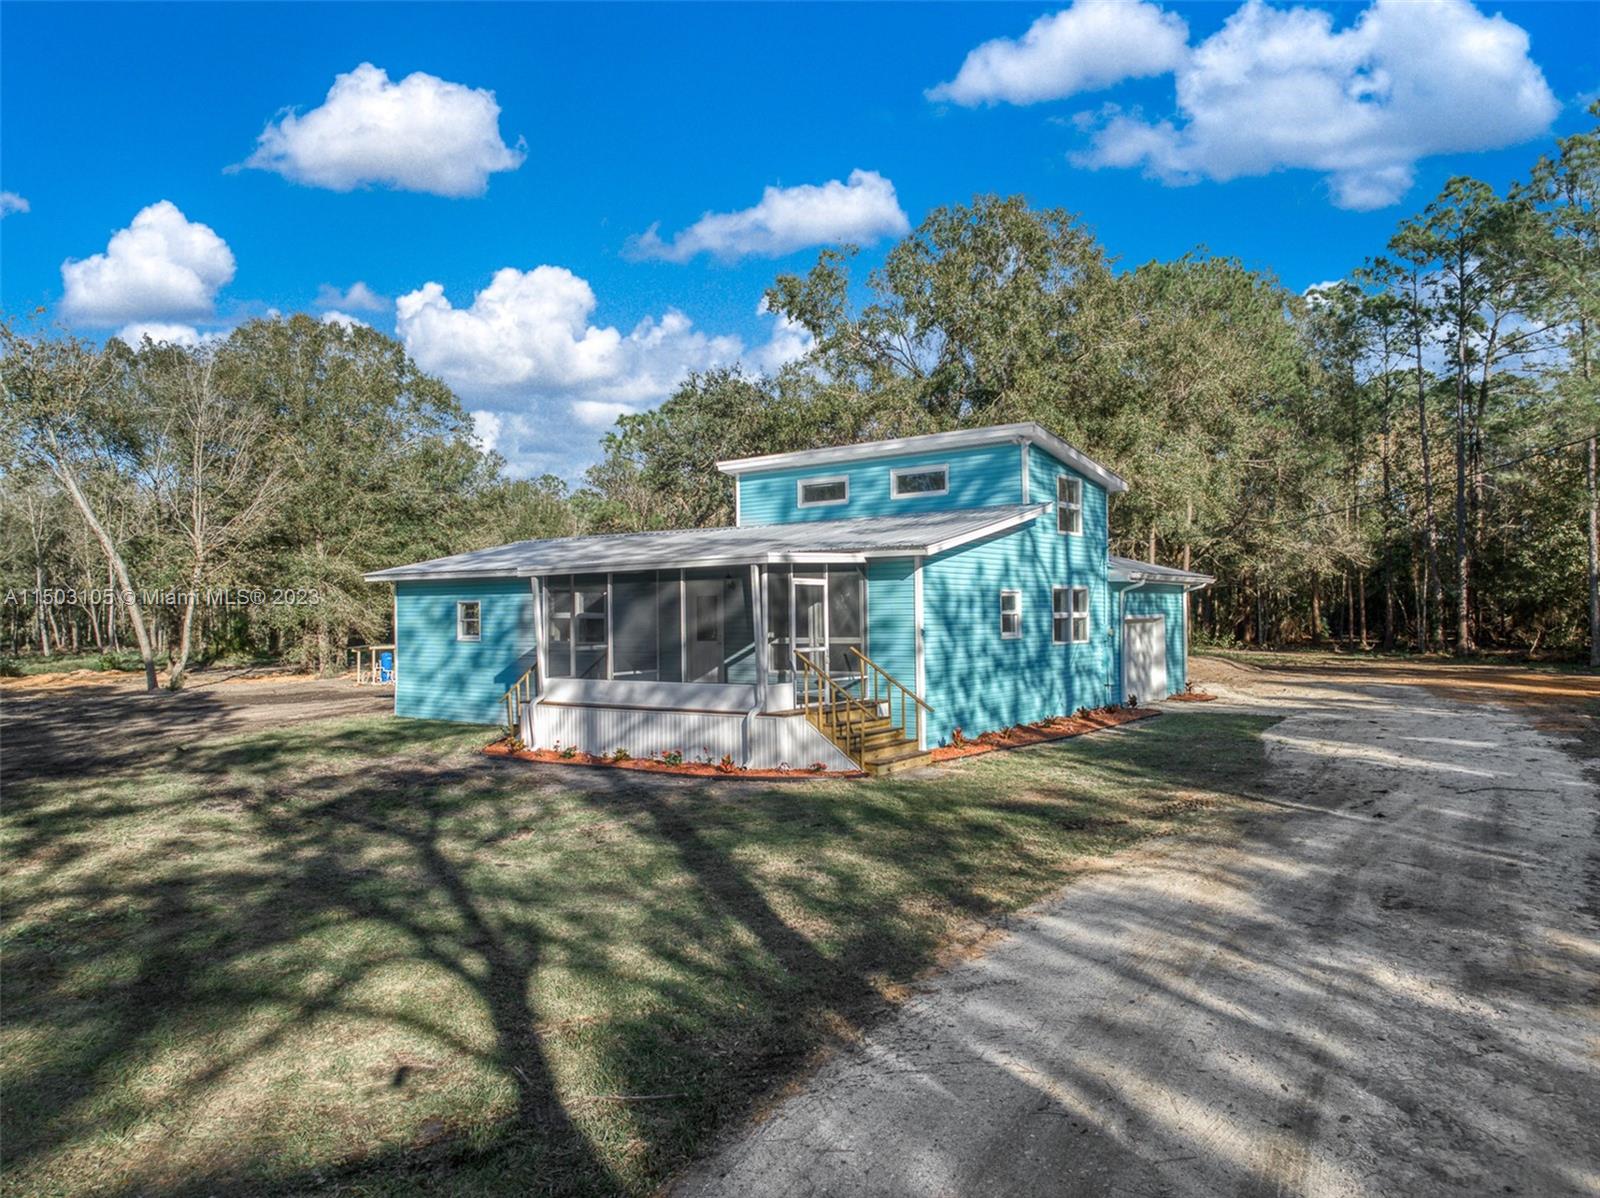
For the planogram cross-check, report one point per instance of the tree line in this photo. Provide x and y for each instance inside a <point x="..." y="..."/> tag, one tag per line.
<point x="1406" y="457"/>
<point x="186" y="504"/>
<point x="1403" y="458"/>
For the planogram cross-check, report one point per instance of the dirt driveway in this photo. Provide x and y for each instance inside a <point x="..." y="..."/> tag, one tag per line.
<point x="70" y="725"/>
<point x="1384" y="981"/>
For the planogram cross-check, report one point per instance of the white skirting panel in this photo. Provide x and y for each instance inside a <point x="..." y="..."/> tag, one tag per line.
<point x="760" y="742"/>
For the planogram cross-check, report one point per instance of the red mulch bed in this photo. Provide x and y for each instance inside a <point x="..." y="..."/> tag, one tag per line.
<point x="1059" y="728"/>
<point x="689" y="769"/>
<point x="1191" y="697"/>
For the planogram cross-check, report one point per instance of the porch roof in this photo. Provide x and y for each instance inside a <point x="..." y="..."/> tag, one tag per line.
<point x="1127" y="569"/>
<point x="808" y="541"/>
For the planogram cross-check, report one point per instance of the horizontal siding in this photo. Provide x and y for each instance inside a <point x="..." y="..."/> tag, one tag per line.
<point x="981" y="477"/>
<point x="1165" y="601"/>
<point x="441" y="678"/>
<point x="978" y="681"/>
<point x="891" y="622"/>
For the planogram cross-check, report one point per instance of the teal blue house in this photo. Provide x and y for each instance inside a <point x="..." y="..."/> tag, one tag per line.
<point x="871" y="601"/>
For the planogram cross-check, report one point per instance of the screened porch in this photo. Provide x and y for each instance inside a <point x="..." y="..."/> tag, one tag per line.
<point x="663" y="637"/>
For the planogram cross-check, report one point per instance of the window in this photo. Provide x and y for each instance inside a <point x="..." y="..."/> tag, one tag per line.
<point x="924" y="480"/>
<point x="469" y="620"/>
<point x="1069" y="615"/>
<point x="1069" y="505"/>
<point x="822" y="492"/>
<point x="1010" y="615"/>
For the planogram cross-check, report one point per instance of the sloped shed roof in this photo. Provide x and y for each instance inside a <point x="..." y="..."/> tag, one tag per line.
<point x="809" y="541"/>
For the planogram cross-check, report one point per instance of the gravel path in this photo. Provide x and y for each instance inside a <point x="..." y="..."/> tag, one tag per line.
<point x="1386" y="981"/>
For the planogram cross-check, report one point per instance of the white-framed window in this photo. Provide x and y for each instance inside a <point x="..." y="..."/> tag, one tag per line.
<point x="1069" y="505"/>
<point x="1010" y="615"/>
<point x="822" y="492"/>
<point x="469" y="620"/>
<point x="915" y="482"/>
<point x="1069" y="615"/>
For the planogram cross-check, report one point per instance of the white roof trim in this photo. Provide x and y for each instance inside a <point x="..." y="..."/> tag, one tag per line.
<point x="966" y="438"/>
<point x="989" y="530"/>
<point x="1126" y="569"/>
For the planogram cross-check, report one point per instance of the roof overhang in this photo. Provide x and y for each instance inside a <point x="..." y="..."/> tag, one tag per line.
<point x="1125" y="569"/>
<point x="583" y="561"/>
<point x="966" y="438"/>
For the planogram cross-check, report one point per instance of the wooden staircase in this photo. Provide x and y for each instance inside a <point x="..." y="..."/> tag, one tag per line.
<point x="864" y="726"/>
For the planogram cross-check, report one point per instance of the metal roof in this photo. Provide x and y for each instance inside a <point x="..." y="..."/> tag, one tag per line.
<point x="964" y="438"/>
<point x="1127" y="569"/>
<point x="808" y="541"/>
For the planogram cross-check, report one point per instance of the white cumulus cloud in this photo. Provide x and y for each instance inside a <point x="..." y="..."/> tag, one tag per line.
<point x="860" y="209"/>
<point x="1281" y="88"/>
<point x="1089" y="46"/>
<point x="486" y="427"/>
<point x="529" y="332"/>
<point x="165" y="333"/>
<point x="357" y="297"/>
<point x="420" y="134"/>
<point x="343" y="319"/>
<point x="163" y="266"/>
<point x="11" y="202"/>
<point x="545" y="378"/>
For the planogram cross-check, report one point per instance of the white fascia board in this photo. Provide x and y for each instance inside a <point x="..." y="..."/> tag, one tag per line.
<point x="988" y="530"/>
<point x="1178" y="579"/>
<point x="966" y="438"/>
<point x="401" y="574"/>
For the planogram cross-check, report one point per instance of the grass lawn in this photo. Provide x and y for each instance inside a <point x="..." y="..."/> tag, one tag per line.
<point x="360" y="958"/>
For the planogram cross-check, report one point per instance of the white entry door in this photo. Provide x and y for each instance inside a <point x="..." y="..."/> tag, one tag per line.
<point x="1144" y="658"/>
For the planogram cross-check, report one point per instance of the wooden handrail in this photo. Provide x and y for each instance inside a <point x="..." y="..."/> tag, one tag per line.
<point x="521" y="692"/>
<point x="834" y="706"/>
<point x="891" y="684"/>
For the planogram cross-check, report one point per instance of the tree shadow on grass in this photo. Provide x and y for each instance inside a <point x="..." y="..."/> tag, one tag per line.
<point x="745" y="926"/>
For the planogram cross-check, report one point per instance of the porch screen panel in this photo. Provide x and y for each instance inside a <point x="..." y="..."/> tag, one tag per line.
<point x="721" y="629"/>
<point x="669" y="628"/>
<point x="558" y="625"/>
<point x="780" y="662"/>
<point x="635" y="645"/>
<point x="589" y="626"/>
<point x="847" y="619"/>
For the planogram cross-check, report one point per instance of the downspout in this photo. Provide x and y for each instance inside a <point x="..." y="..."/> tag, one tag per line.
<point x="1022" y="444"/>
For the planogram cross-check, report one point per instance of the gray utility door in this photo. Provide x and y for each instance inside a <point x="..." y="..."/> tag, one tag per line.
<point x="1144" y="658"/>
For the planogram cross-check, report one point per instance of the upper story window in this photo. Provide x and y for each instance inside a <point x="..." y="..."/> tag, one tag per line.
<point x="822" y="492"/>
<point x="1010" y="615"/>
<point x="1069" y="505"/>
<point x="469" y="620"/>
<point x="1069" y="615"/>
<point x="916" y="481"/>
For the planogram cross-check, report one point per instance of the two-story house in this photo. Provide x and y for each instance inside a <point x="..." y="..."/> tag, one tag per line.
<point x="869" y="601"/>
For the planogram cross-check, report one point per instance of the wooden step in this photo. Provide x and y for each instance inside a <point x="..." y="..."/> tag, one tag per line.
<point x="884" y="737"/>
<point x="893" y="749"/>
<point x="907" y="759"/>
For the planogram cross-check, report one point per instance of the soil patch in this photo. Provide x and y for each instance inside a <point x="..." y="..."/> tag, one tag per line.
<point x="1059" y="728"/>
<point x="685" y="769"/>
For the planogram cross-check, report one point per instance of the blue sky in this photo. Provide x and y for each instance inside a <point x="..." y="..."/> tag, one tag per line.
<point x="1292" y="137"/>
